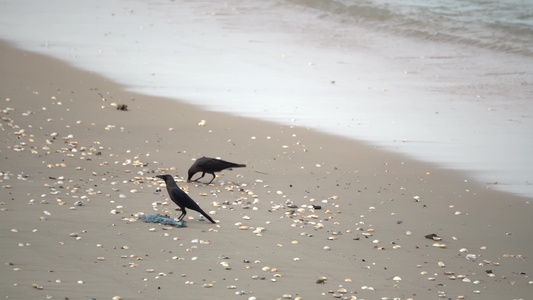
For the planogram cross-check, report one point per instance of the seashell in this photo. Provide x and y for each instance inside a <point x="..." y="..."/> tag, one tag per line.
<point x="397" y="278"/>
<point x="439" y="245"/>
<point x="448" y="273"/>
<point x="471" y="257"/>
<point x="433" y="237"/>
<point x="231" y="287"/>
<point x="441" y="264"/>
<point x="259" y="229"/>
<point x="208" y="285"/>
<point x="342" y="291"/>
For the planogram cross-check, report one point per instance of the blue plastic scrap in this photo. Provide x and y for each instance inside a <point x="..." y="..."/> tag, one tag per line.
<point x="153" y="218"/>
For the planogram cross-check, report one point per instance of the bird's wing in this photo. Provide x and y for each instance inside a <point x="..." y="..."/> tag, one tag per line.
<point x="216" y="165"/>
<point x="182" y="199"/>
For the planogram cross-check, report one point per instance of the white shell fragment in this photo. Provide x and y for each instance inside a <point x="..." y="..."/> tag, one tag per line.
<point x="471" y="257"/>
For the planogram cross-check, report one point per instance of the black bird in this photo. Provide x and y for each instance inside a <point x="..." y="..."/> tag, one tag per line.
<point x="181" y="198"/>
<point x="210" y="166"/>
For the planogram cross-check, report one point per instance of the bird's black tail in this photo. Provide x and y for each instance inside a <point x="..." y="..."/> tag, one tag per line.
<point x="206" y="216"/>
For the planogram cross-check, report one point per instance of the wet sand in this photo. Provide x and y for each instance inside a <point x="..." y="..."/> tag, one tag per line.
<point x="309" y="206"/>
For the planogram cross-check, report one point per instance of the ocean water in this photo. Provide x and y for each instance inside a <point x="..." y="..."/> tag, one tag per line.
<point x="448" y="82"/>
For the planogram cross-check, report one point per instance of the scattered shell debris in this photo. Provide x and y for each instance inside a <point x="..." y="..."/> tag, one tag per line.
<point x="294" y="219"/>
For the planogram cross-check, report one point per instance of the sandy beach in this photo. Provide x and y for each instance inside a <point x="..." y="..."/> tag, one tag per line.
<point x="312" y="216"/>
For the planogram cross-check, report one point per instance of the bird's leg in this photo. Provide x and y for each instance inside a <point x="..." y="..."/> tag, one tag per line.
<point x="203" y="174"/>
<point x="183" y="213"/>
<point x="212" y="178"/>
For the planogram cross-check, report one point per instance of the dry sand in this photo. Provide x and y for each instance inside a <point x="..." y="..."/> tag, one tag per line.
<point x="63" y="141"/>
